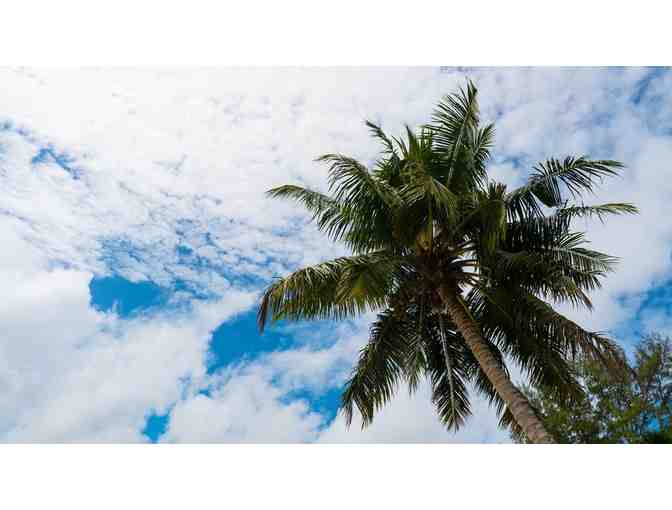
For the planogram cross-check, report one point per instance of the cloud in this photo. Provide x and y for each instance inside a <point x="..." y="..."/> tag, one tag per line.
<point x="70" y="373"/>
<point x="245" y="408"/>
<point x="413" y="419"/>
<point x="159" y="175"/>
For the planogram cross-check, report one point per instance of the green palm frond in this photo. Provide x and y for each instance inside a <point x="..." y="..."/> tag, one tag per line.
<point x="379" y="369"/>
<point x="352" y="183"/>
<point x="541" y="321"/>
<point x="448" y="379"/>
<point x="453" y="118"/>
<point x="569" y="251"/>
<point x="368" y="206"/>
<point x="416" y="360"/>
<point x="539" y="274"/>
<point x="492" y="226"/>
<point x="598" y="211"/>
<point x="554" y="265"/>
<point x="535" y="233"/>
<point x="313" y="201"/>
<point x="339" y="288"/>
<point x="545" y="359"/>
<point x="480" y="143"/>
<point x="329" y="215"/>
<point x="378" y="133"/>
<point x="550" y="178"/>
<point x="430" y="193"/>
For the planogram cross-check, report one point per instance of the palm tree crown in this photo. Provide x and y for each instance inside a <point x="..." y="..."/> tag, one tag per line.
<point x="462" y="272"/>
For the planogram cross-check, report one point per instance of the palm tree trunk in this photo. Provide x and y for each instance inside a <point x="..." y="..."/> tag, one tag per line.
<point x="515" y="400"/>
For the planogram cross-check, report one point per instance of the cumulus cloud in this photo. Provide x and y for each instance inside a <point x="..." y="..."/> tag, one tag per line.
<point x="244" y="408"/>
<point x="160" y="175"/>
<point x="71" y="373"/>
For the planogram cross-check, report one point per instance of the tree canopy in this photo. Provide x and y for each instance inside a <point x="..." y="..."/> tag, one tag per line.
<point x="633" y="406"/>
<point x="461" y="271"/>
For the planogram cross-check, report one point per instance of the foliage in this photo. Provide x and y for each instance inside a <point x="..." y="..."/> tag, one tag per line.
<point x="425" y="220"/>
<point x="634" y="406"/>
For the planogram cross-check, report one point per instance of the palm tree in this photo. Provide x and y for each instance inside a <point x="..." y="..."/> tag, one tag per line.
<point x="462" y="272"/>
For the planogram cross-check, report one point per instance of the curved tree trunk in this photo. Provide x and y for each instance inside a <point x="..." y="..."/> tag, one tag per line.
<point x="515" y="400"/>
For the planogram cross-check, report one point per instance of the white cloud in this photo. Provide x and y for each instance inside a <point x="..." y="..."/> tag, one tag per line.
<point x="413" y="419"/>
<point x="70" y="373"/>
<point x="100" y="385"/>
<point x="245" y="408"/>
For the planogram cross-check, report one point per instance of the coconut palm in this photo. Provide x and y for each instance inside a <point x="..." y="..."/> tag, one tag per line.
<point x="463" y="274"/>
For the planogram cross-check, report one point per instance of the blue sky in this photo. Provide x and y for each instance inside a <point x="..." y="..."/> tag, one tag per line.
<point x="233" y="342"/>
<point x="137" y="238"/>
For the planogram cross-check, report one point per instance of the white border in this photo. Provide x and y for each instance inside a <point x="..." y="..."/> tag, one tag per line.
<point x="347" y="32"/>
<point x="329" y="476"/>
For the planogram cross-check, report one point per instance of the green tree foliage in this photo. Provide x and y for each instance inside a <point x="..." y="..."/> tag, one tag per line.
<point x="633" y="406"/>
<point x="460" y="270"/>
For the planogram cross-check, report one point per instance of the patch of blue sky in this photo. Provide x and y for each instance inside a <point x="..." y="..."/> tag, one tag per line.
<point x="652" y="309"/>
<point x="126" y="298"/>
<point x="122" y="256"/>
<point x="656" y="300"/>
<point x="326" y="403"/>
<point x="659" y="297"/>
<point x="191" y="263"/>
<point x="156" y="426"/>
<point x="239" y="340"/>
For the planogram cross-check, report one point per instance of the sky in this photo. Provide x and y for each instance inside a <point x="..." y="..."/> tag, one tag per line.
<point x="137" y="238"/>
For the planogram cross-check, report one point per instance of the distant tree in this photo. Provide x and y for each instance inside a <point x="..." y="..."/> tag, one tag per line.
<point x="634" y="406"/>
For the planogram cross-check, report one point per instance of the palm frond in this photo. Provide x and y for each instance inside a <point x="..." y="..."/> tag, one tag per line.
<point x="351" y="182"/>
<point x="378" y="133"/>
<point x="550" y="178"/>
<point x="545" y="359"/>
<point x="554" y="264"/>
<point x="598" y="211"/>
<point x="379" y="368"/>
<point x="339" y="288"/>
<point x="369" y="205"/>
<point x="329" y="215"/>
<point x="452" y="119"/>
<point x="416" y="361"/>
<point x="430" y="193"/>
<point x="482" y="140"/>
<point x="492" y="226"/>
<point x="541" y="321"/>
<point x="448" y="380"/>
<point x="449" y="368"/>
